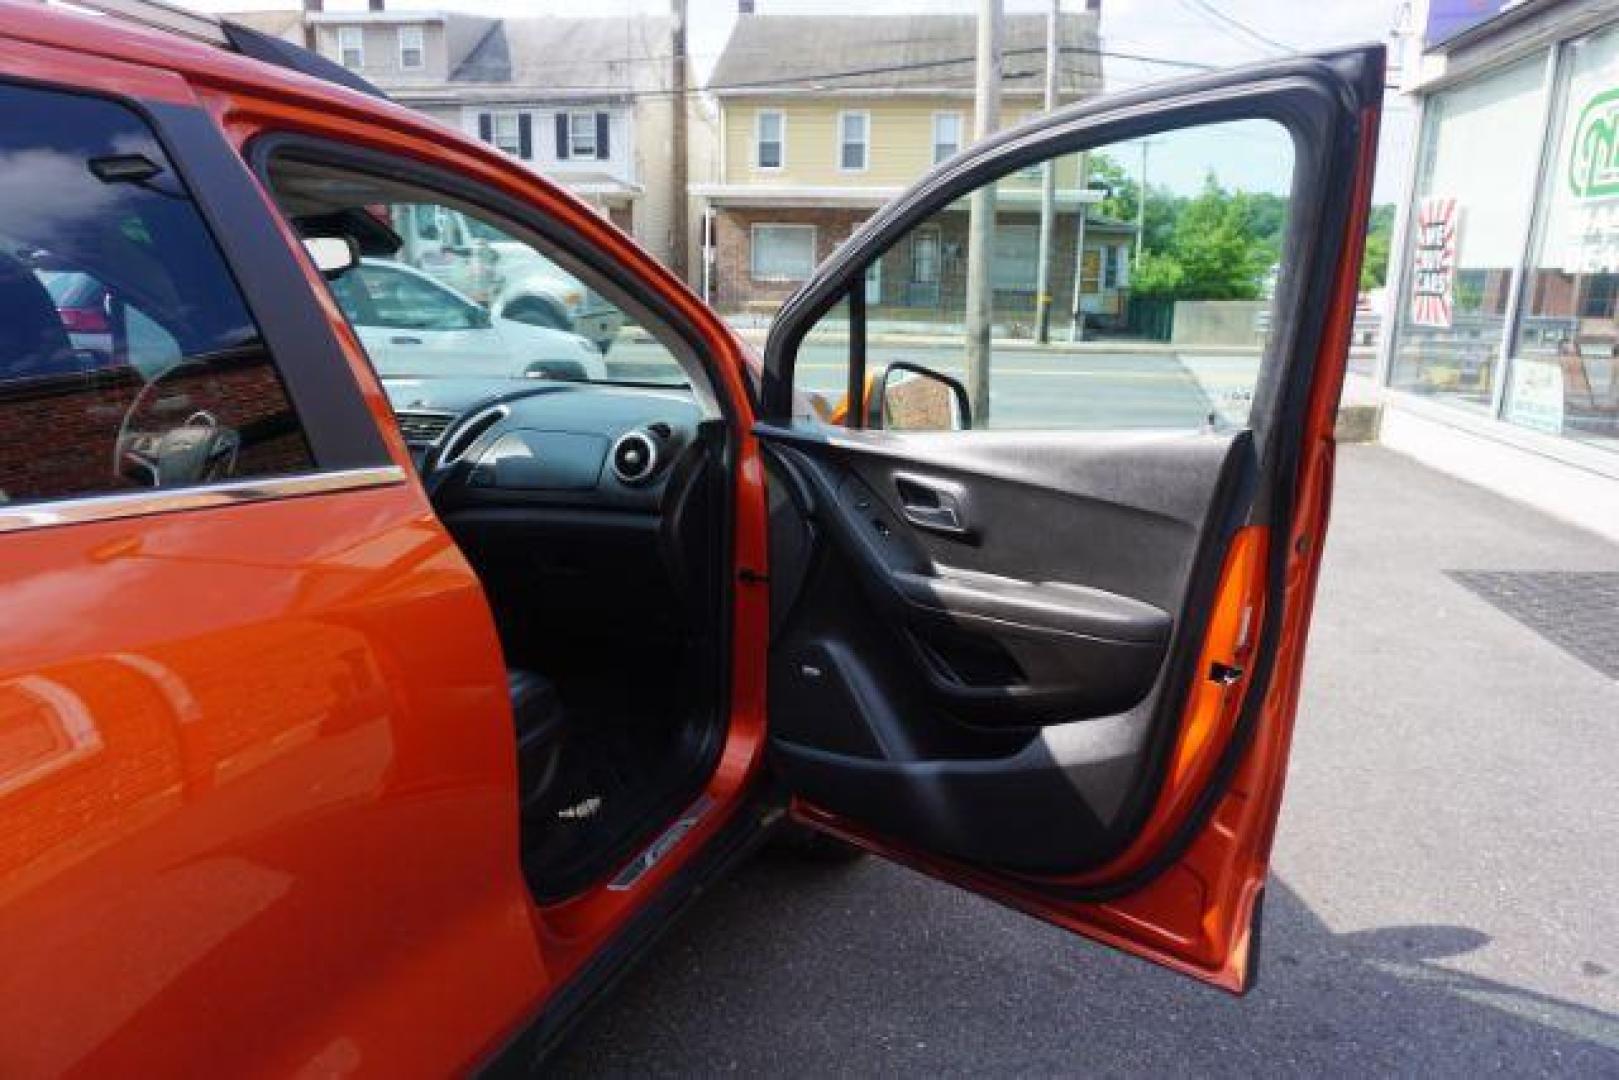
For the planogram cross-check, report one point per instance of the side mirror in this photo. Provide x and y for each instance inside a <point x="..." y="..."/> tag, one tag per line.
<point x="333" y="256"/>
<point x="914" y="398"/>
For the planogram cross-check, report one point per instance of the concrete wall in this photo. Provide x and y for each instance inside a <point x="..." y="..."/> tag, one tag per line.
<point x="1216" y="322"/>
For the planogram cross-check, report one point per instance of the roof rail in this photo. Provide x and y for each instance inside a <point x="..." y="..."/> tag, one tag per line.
<point x="160" y="15"/>
<point x="212" y="30"/>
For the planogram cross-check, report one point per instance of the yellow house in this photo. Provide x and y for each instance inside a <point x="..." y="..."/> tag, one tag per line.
<point x="822" y="119"/>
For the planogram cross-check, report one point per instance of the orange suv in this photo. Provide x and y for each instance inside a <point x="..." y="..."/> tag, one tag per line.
<point x="365" y="709"/>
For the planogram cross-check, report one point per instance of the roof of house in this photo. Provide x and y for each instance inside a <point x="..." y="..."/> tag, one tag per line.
<point x="565" y="54"/>
<point x="767" y="53"/>
<point x="281" y="24"/>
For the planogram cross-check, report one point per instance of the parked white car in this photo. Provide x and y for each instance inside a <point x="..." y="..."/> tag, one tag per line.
<point x="414" y="325"/>
<point x="517" y="282"/>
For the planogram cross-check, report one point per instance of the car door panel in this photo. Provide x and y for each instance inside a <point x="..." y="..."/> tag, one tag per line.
<point x="1060" y="669"/>
<point x="961" y="685"/>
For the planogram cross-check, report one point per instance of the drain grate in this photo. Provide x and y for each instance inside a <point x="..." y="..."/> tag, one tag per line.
<point x="1578" y="611"/>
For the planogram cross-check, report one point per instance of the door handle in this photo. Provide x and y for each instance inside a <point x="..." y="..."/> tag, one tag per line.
<point x="935" y="505"/>
<point x="404" y="341"/>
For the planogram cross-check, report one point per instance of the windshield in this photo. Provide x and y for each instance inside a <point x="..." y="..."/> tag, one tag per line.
<point x="443" y="290"/>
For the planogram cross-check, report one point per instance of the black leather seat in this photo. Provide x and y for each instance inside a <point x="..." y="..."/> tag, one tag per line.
<point x="537" y="710"/>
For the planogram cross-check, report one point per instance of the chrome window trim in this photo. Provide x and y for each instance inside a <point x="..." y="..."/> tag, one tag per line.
<point x="111" y="507"/>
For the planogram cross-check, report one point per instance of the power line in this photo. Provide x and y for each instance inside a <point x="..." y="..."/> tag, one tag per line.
<point x="1209" y="10"/>
<point x="854" y="73"/>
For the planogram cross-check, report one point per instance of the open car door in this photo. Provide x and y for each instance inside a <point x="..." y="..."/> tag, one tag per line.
<point x="1039" y="610"/>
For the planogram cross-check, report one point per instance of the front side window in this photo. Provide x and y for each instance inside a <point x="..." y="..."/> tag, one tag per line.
<point x="128" y="358"/>
<point x="351" y="47"/>
<point x="854" y="140"/>
<point x="1564" y="377"/>
<point x="1176" y="341"/>
<point x="783" y="252"/>
<point x="1471" y="207"/>
<point x="946" y="136"/>
<point x="411" y="52"/>
<point x="770" y="140"/>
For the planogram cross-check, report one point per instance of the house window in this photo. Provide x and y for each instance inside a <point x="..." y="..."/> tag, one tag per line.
<point x="946" y="136"/>
<point x="351" y="47"/>
<point x="770" y="140"/>
<point x="584" y="136"/>
<point x="410" y="47"/>
<point x="782" y="252"/>
<point x="854" y="140"/>
<point x="581" y="135"/>
<point x="506" y="133"/>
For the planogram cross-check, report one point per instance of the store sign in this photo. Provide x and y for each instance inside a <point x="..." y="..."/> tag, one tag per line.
<point x="1450" y="18"/>
<point x="1535" y="395"/>
<point x="1433" y="279"/>
<point x="1593" y="161"/>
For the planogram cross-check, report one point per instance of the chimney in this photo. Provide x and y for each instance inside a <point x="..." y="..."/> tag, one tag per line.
<point x="314" y="6"/>
<point x="376" y="5"/>
<point x="1093" y="5"/>
<point x="744" y="7"/>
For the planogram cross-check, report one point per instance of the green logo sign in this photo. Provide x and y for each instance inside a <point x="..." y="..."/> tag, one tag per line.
<point x="1593" y="162"/>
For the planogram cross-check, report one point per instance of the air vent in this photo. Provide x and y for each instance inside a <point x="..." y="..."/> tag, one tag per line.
<point x="423" y="428"/>
<point x="635" y="457"/>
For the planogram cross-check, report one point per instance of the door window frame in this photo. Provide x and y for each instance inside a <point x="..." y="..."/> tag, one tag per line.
<point x="1294" y="102"/>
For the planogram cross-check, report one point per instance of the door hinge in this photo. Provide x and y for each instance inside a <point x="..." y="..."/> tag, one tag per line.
<point x="1224" y="674"/>
<point x="749" y="576"/>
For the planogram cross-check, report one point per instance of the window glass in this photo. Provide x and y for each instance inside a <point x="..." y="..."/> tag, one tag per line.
<point x="453" y="304"/>
<point x="1471" y="207"/>
<point x="1172" y="340"/>
<point x="854" y="131"/>
<point x="351" y="46"/>
<point x="946" y="136"/>
<point x="770" y="140"/>
<point x="128" y="359"/>
<point x="410" y="46"/>
<point x="506" y="133"/>
<point x="783" y="252"/>
<point x="582" y="135"/>
<point x="1565" y="369"/>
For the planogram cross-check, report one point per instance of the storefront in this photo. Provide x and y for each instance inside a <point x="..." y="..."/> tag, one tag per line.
<point x="1502" y="361"/>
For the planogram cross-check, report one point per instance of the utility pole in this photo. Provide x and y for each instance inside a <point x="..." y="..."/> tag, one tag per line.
<point x="1141" y="204"/>
<point x="981" y="216"/>
<point x="1076" y="328"/>
<point x="679" y="224"/>
<point x="1048" y="190"/>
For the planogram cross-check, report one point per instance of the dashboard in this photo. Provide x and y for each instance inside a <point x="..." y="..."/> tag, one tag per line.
<point x="585" y="445"/>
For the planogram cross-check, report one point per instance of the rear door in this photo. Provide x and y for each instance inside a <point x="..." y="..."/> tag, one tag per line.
<point x="1039" y="607"/>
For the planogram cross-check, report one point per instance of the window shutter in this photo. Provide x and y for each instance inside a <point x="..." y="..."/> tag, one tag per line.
<point x="603" y="123"/>
<point x="525" y="136"/>
<point x="486" y="127"/>
<point x="562" y="136"/>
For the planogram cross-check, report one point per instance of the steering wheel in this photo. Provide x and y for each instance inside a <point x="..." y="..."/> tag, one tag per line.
<point x="197" y="451"/>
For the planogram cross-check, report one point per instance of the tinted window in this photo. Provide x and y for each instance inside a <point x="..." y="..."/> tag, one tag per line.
<point x="127" y="357"/>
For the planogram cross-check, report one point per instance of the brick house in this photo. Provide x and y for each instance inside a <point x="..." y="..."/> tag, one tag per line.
<point x="823" y="119"/>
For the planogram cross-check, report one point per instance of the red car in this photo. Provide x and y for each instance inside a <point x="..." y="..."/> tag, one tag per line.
<point x="363" y="725"/>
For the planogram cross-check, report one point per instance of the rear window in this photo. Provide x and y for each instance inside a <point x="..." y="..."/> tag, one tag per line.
<point x="128" y="358"/>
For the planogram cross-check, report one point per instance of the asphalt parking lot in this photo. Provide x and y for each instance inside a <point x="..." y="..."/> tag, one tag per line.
<point x="1443" y="898"/>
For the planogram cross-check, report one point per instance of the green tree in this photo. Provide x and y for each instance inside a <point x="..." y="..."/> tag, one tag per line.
<point x="1379" y="236"/>
<point x="1219" y="248"/>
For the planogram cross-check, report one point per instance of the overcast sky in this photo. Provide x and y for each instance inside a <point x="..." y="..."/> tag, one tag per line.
<point x="1215" y="32"/>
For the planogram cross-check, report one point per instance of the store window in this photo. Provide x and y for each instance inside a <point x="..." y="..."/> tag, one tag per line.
<point x="1565" y="368"/>
<point x="1471" y="207"/>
